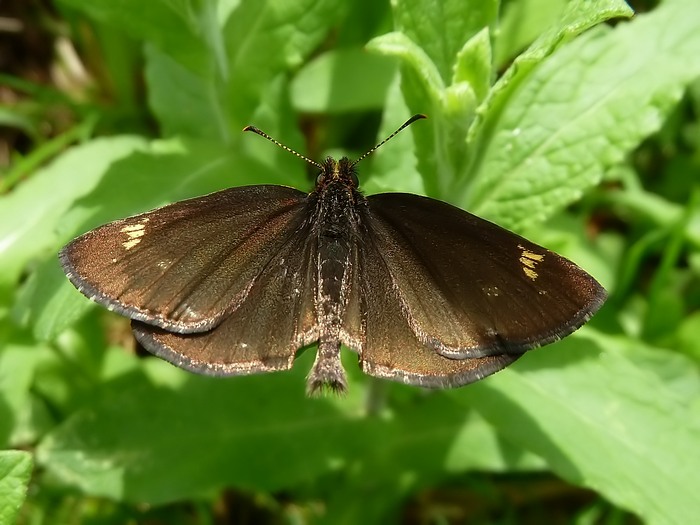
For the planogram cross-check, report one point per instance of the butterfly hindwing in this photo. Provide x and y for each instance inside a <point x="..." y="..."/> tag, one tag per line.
<point x="391" y="350"/>
<point x="264" y="331"/>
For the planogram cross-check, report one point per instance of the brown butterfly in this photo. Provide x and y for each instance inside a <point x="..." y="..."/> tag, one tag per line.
<point x="237" y="281"/>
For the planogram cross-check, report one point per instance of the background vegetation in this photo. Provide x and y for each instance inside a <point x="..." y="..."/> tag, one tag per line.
<point x="569" y="122"/>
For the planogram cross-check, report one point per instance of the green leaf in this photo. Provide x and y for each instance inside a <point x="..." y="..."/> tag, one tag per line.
<point x="473" y="66"/>
<point x="15" y="471"/>
<point x="19" y="360"/>
<point x="431" y="44"/>
<point x="521" y="23"/>
<point x="145" y="440"/>
<point x="443" y="159"/>
<point x="441" y="28"/>
<point x="201" y="106"/>
<point x="687" y="336"/>
<point x="421" y="77"/>
<point x="258" y="41"/>
<point x="400" y="45"/>
<point x="579" y="16"/>
<point x="166" y="435"/>
<point x="220" y="56"/>
<point x="603" y="420"/>
<point x="173" y="27"/>
<point x="579" y="113"/>
<point x="423" y="443"/>
<point x="343" y="80"/>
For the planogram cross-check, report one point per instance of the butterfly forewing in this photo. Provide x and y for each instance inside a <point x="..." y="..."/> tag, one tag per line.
<point x="470" y="288"/>
<point x="184" y="266"/>
<point x="263" y="333"/>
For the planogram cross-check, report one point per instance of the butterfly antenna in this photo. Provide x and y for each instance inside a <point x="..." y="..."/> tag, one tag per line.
<point x="410" y="121"/>
<point x="286" y="148"/>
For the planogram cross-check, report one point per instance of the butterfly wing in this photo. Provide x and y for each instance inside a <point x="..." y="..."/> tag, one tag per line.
<point x="183" y="267"/>
<point x="470" y="288"/>
<point x="388" y="346"/>
<point x="262" y="334"/>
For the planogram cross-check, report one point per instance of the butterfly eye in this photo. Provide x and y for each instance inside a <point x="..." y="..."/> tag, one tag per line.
<point x="320" y="177"/>
<point x="354" y="179"/>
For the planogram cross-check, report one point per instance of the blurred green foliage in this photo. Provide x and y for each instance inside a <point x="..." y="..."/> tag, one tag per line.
<point x="569" y="122"/>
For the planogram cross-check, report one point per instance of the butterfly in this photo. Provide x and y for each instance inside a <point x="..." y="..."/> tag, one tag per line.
<point x="237" y="281"/>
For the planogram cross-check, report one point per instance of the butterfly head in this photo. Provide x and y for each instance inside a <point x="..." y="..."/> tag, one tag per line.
<point x="337" y="171"/>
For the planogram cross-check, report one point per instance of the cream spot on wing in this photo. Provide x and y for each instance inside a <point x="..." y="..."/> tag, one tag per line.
<point x="530" y="260"/>
<point x="134" y="232"/>
<point x="492" y="291"/>
<point x="128" y="245"/>
<point x="532" y="274"/>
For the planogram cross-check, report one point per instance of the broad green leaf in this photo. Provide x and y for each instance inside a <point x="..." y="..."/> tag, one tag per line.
<point x="154" y="440"/>
<point x="343" y="80"/>
<point x="426" y="442"/>
<point x="443" y="158"/>
<point x="18" y="363"/>
<point x="431" y="36"/>
<point x="197" y="108"/>
<point x="579" y="16"/>
<point x="142" y="440"/>
<point x="48" y="302"/>
<point x="473" y="66"/>
<point x="579" y="113"/>
<point x="15" y="471"/>
<point x="603" y="420"/>
<point x="441" y="27"/>
<point x="520" y="24"/>
<point x="172" y="26"/>
<point x="259" y="40"/>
